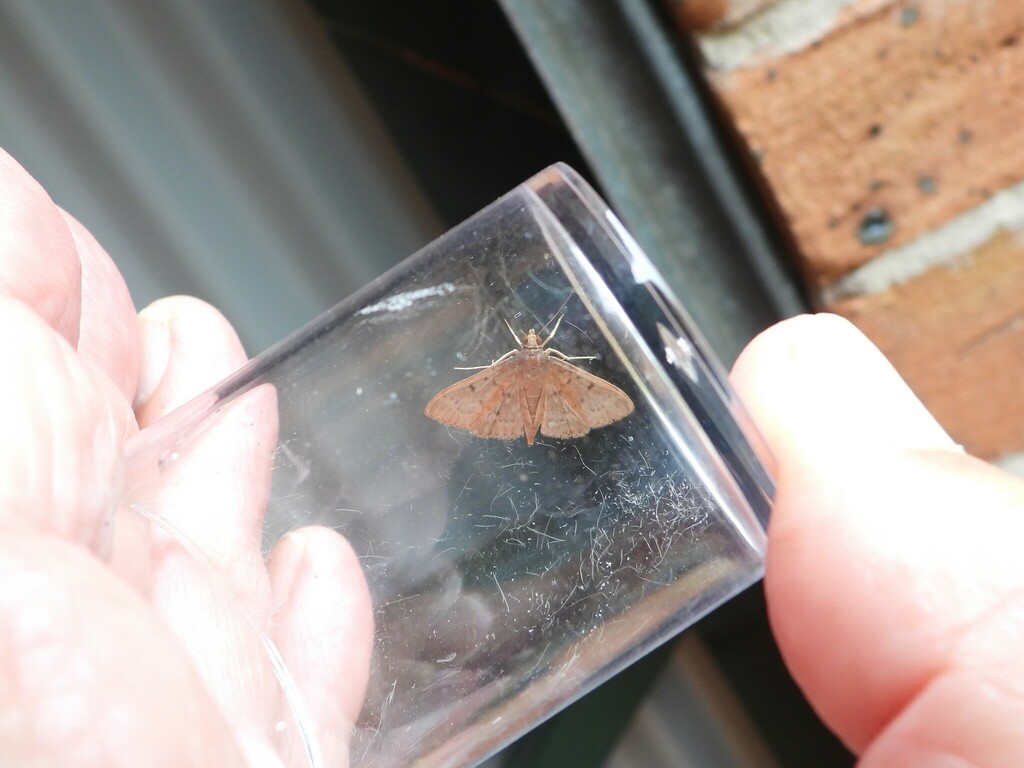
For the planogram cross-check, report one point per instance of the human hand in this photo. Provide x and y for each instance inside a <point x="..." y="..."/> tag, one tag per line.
<point x="119" y="647"/>
<point x="894" y="577"/>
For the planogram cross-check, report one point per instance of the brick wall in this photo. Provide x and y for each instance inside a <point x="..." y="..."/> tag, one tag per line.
<point x="892" y="136"/>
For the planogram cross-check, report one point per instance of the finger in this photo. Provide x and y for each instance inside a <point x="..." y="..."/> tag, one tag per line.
<point x="90" y="676"/>
<point x="220" y="624"/>
<point x="187" y="346"/>
<point x="38" y="262"/>
<point x="63" y="430"/>
<point x="215" y="493"/>
<point x="876" y="585"/>
<point x="972" y="712"/>
<point x="108" y="332"/>
<point x="324" y="632"/>
<point x="207" y="574"/>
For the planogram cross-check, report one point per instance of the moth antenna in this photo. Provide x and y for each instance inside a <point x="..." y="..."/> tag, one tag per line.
<point x="509" y="325"/>
<point x="558" y="312"/>
<point x="553" y="330"/>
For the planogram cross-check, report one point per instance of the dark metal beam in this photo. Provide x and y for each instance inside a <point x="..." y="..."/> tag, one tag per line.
<point x="638" y="110"/>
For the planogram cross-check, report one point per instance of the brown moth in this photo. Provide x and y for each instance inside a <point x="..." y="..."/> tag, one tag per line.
<point x="527" y="390"/>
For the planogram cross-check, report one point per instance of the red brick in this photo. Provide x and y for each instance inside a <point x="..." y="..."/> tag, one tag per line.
<point x="956" y="334"/>
<point x="915" y="109"/>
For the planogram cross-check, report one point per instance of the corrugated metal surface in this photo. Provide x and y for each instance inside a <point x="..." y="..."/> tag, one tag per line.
<point x="215" y="148"/>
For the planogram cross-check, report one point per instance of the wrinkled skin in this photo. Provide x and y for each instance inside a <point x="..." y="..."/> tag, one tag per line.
<point x="118" y="648"/>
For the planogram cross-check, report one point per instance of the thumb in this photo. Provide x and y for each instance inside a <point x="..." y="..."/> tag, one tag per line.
<point x="894" y="603"/>
<point x="817" y="378"/>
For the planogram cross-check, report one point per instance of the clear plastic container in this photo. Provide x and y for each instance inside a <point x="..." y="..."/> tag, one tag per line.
<point x="506" y="579"/>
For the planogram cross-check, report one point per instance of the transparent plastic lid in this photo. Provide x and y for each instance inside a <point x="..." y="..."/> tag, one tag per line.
<point x="517" y="542"/>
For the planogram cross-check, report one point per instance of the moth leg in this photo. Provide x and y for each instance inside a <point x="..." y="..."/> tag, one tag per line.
<point x="492" y="363"/>
<point x="553" y="331"/>
<point x="563" y="356"/>
<point x="518" y="340"/>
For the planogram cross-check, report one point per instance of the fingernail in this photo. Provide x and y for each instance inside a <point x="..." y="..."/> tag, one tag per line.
<point x="106" y="472"/>
<point x="288" y="559"/>
<point x="849" y="386"/>
<point x="103" y="542"/>
<point x="155" y="343"/>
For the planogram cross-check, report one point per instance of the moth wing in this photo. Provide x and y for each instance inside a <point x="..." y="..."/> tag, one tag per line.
<point x="486" y="404"/>
<point x="576" y="401"/>
<point x="502" y="417"/>
<point x="560" y="418"/>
